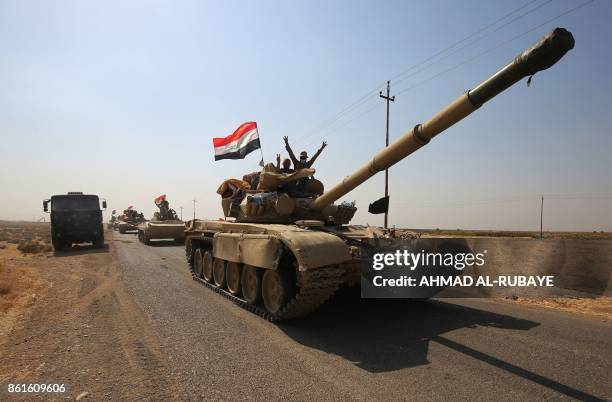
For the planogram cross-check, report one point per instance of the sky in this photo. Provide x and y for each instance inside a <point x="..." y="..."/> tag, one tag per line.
<point x="122" y="99"/>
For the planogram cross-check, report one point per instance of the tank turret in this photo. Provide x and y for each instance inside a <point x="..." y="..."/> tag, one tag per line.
<point x="165" y="213"/>
<point x="273" y="204"/>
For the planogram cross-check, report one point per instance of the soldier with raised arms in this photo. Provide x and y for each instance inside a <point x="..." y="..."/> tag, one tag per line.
<point x="303" y="162"/>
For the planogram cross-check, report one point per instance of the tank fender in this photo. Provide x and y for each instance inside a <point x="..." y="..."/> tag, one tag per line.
<point x="258" y="250"/>
<point x="311" y="249"/>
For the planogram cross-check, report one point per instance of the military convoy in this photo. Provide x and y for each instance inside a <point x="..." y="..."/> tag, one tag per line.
<point x="165" y="224"/>
<point x="285" y="246"/>
<point x="75" y="218"/>
<point x="284" y="255"/>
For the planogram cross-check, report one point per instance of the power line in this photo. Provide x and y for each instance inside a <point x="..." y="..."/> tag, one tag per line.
<point x="456" y="66"/>
<point x="338" y="116"/>
<point x="366" y="112"/>
<point x="569" y="11"/>
<point x="496" y="47"/>
<point x="365" y="97"/>
<point x="472" y="42"/>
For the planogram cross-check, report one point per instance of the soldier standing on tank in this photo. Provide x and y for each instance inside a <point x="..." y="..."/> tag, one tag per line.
<point x="286" y="168"/>
<point x="303" y="162"/>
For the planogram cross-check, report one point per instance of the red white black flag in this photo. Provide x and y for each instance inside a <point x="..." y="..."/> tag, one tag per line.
<point x="239" y="144"/>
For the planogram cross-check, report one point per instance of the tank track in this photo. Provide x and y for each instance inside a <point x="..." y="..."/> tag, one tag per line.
<point x="315" y="287"/>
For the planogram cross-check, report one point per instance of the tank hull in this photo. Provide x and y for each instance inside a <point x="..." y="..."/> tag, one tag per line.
<point x="158" y="230"/>
<point x="317" y="260"/>
<point x="125" y="227"/>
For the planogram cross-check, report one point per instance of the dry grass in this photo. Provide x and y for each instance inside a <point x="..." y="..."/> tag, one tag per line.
<point x="5" y="281"/>
<point x="597" y="306"/>
<point x="33" y="247"/>
<point x="31" y="237"/>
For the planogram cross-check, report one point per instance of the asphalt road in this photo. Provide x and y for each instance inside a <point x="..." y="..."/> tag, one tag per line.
<point x="364" y="349"/>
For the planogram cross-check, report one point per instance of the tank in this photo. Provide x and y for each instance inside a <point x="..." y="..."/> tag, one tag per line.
<point x="129" y="220"/>
<point x="289" y="248"/>
<point x="165" y="224"/>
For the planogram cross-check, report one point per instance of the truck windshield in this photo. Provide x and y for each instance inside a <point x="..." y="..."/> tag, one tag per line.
<point x="72" y="203"/>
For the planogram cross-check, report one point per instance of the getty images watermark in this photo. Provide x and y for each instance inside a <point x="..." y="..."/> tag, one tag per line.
<point x="435" y="267"/>
<point x="459" y="262"/>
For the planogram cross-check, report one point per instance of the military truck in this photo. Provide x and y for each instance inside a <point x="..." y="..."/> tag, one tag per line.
<point x="75" y="218"/>
<point x="286" y="250"/>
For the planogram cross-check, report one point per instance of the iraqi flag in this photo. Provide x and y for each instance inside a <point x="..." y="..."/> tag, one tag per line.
<point x="239" y="144"/>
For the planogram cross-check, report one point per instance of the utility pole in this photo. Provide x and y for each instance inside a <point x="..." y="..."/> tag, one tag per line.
<point x="542" y="218"/>
<point x="181" y="212"/>
<point x="194" y="202"/>
<point x="388" y="98"/>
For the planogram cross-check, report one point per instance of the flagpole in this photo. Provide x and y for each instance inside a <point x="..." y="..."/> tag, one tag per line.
<point x="260" y="149"/>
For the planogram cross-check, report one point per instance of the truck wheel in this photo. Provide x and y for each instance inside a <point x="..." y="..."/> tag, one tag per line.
<point x="219" y="266"/>
<point x="251" y="284"/>
<point x="122" y="230"/>
<point x="207" y="266"/>
<point x="99" y="243"/>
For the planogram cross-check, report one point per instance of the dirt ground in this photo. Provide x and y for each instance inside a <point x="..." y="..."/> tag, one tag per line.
<point x="68" y="318"/>
<point x="600" y="306"/>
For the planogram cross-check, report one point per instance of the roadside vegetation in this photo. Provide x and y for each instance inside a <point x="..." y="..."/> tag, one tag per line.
<point x="30" y="237"/>
<point x="5" y="281"/>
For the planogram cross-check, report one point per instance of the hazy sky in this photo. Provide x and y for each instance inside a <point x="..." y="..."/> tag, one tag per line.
<point x="122" y="99"/>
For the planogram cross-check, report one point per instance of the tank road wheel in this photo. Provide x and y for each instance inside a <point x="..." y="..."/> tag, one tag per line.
<point x="232" y="273"/>
<point x="251" y="284"/>
<point x="275" y="290"/>
<point x="198" y="263"/>
<point x="219" y="272"/>
<point x="189" y="252"/>
<point x="207" y="266"/>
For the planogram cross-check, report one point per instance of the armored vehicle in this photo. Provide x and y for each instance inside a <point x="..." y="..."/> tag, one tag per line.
<point x="112" y="220"/>
<point x="129" y="220"/>
<point x="165" y="224"/>
<point x="75" y="218"/>
<point x="287" y="251"/>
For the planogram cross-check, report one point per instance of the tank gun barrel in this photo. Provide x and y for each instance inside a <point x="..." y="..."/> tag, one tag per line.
<point x="542" y="55"/>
